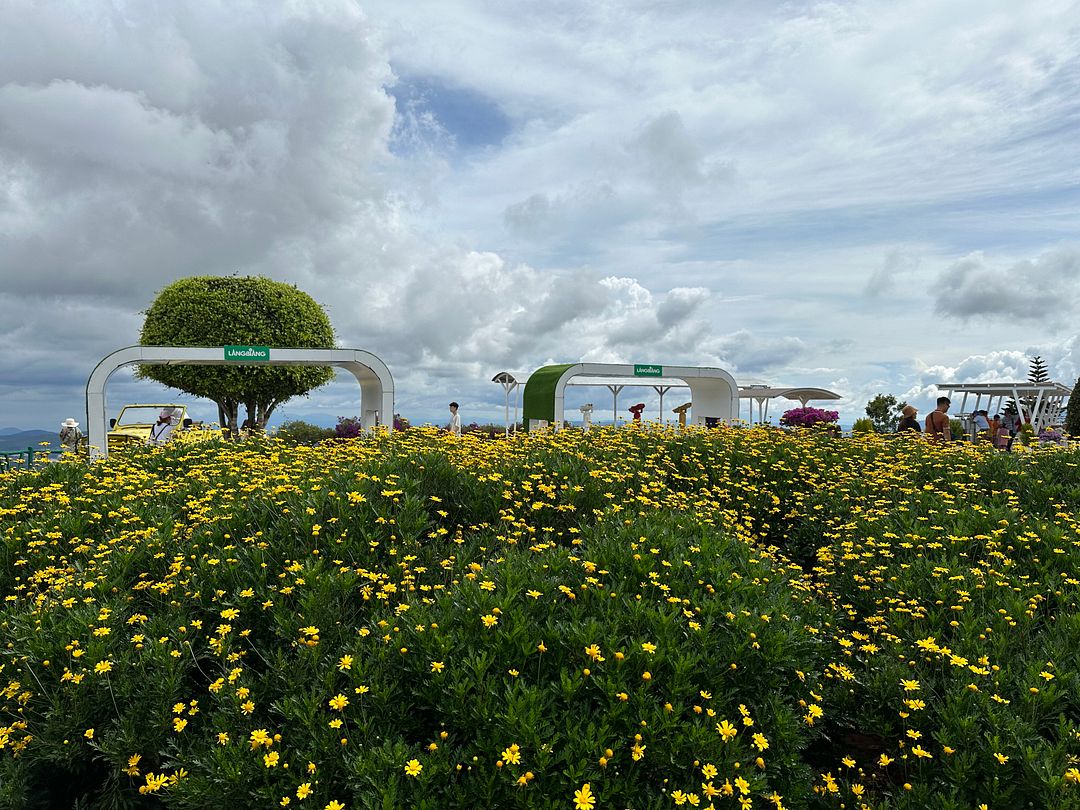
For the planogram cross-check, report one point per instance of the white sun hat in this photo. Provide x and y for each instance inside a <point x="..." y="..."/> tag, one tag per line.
<point x="69" y="422"/>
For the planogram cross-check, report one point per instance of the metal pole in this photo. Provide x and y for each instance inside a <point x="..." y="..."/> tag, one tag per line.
<point x="506" y="408"/>
<point x="615" y="389"/>
<point x="661" y="390"/>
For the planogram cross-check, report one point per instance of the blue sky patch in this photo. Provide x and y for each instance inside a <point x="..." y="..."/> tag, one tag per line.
<point x="466" y="118"/>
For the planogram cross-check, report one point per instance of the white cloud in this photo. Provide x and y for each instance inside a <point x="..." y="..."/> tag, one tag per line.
<point x="770" y="187"/>
<point x="1039" y="289"/>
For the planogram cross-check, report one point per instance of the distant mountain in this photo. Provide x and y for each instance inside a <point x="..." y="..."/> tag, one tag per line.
<point x="21" y="439"/>
<point x="9" y="431"/>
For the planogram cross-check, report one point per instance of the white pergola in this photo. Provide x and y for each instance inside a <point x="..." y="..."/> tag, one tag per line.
<point x="1040" y="404"/>
<point x="616" y="384"/>
<point x="763" y="394"/>
<point x="376" y="383"/>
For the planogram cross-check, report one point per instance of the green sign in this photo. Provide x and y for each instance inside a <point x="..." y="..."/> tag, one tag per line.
<point x="248" y="354"/>
<point x="648" y="371"/>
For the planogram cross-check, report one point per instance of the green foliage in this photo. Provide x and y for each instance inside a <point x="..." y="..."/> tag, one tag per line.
<point x="1027" y="433"/>
<point x="1037" y="371"/>
<point x="164" y="598"/>
<point x="864" y="425"/>
<point x="884" y="412"/>
<point x="297" y="431"/>
<point x="221" y="311"/>
<point x="1072" y="415"/>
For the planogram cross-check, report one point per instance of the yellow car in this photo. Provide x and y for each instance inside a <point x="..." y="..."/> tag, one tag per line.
<point x="155" y="425"/>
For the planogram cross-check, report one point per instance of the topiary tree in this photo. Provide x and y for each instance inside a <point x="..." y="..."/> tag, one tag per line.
<point x="1072" y="415"/>
<point x="237" y="310"/>
<point x="884" y="412"/>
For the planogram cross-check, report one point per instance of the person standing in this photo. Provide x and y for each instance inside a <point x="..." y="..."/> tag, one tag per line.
<point x="69" y="435"/>
<point x="937" y="422"/>
<point x="908" y="422"/>
<point x="162" y="430"/>
<point x="1011" y="425"/>
<point x="455" y="420"/>
<point x="982" y="426"/>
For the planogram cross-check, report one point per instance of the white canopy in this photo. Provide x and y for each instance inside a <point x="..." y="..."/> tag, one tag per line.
<point x="761" y="394"/>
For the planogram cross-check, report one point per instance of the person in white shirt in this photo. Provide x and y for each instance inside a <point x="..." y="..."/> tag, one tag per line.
<point x="455" y="420"/>
<point x="70" y="435"/>
<point x="162" y="430"/>
<point x="982" y="426"/>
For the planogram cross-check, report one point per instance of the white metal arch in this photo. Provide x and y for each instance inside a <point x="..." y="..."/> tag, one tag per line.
<point x="714" y="392"/>
<point x="376" y="383"/>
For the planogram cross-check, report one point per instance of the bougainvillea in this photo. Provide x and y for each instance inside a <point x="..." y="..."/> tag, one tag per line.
<point x="808" y="417"/>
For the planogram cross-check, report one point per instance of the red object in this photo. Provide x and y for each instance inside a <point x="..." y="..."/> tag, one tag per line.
<point x="636" y="410"/>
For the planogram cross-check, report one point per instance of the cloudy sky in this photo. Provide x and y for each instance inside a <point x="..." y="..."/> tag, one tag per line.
<point x="866" y="196"/>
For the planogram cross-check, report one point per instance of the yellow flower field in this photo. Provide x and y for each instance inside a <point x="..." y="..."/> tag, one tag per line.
<point x="739" y="618"/>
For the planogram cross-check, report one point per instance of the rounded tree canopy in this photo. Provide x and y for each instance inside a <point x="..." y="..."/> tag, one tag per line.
<point x="237" y="310"/>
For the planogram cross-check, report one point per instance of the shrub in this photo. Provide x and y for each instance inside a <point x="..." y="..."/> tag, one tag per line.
<point x="297" y="431"/>
<point x="348" y="427"/>
<point x="808" y="417"/>
<point x="1072" y="413"/>
<point x="865" y="425"/>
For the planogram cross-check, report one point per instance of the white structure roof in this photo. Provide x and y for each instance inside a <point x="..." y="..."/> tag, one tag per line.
<point x="771" y="392"/>
<point x="1006" y="389"/>
<point x="1039" y="403"/>
<point x="639" y="382"/>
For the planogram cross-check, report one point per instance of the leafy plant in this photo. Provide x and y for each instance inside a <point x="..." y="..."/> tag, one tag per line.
<point x="1072" y="414"/>
<point x="297" y="431"/>
<point x="884" y="412"/>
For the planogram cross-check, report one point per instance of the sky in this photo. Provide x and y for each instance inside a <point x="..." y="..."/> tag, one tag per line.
<point x="865" y="196"/>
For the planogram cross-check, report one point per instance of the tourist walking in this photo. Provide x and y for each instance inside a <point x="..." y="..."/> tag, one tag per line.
<point x="937" y="422"/>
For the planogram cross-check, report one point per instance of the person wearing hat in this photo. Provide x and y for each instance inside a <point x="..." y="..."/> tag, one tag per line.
<point x="162" y="430"/>
<point x="69" y="435"/>
<point x="908" y="422"/>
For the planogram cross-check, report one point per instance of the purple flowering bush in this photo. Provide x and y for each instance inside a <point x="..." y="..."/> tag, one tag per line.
<point x="808" y="417"/>
<point x="348" y="427"/>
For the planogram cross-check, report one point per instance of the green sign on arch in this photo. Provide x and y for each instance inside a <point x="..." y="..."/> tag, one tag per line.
<point x="648" y="370"/>
<point x="247" y="354"/>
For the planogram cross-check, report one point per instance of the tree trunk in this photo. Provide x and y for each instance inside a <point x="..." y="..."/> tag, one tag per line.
<point x="266" y="409"/>
<point x="234" y="409"/>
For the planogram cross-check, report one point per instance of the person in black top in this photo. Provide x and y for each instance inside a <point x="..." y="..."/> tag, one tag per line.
<point x="908" y="420"/>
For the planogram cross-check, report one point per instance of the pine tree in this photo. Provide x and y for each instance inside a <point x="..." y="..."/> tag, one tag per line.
<point x="1072" y="415"/>
<point x="1037" y="373"/>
